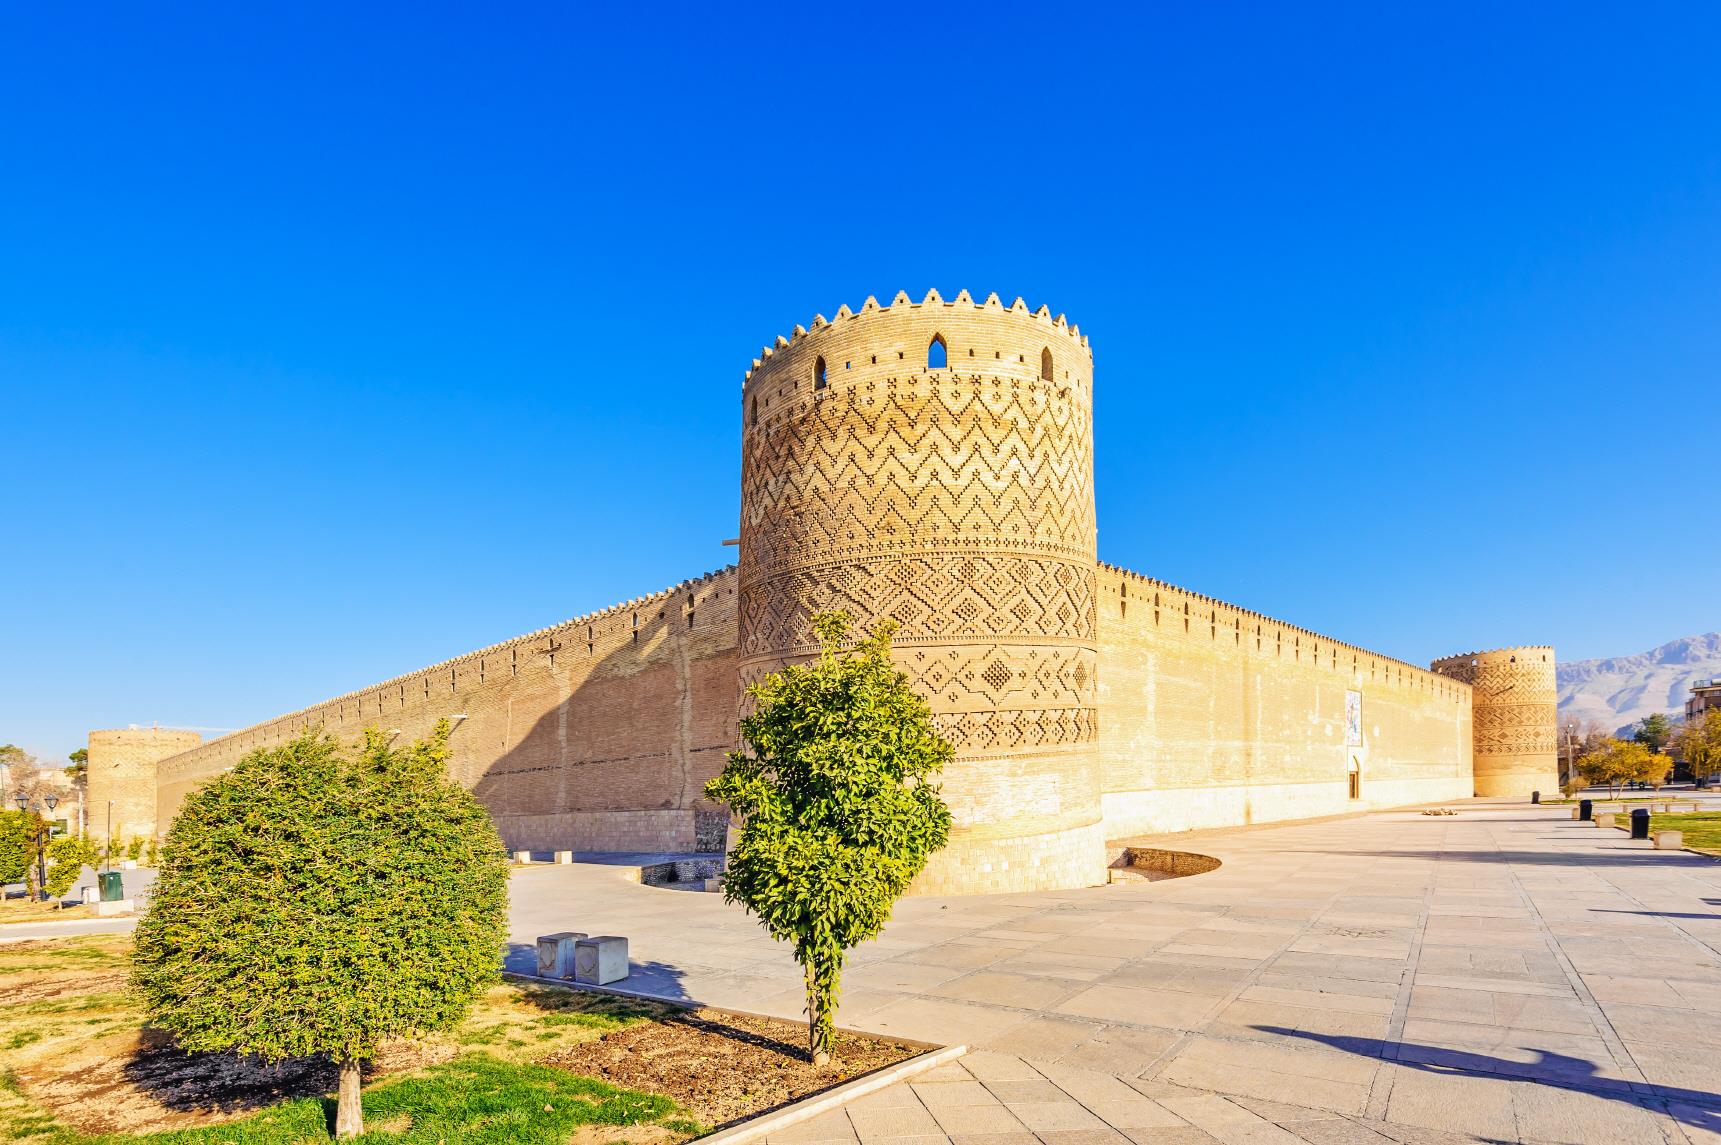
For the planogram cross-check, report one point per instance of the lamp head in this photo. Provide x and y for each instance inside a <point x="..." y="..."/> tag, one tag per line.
<point x="53" y="801"/>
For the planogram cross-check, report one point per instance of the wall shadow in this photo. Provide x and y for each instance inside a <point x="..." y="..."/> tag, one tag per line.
<point x="600" y="735"/>
<point x="1694" y="1108"/>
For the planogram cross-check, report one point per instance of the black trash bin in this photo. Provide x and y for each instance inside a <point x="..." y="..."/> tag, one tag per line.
<point x="1535" y="797"/>
<point x="1586" y="809"/>
<point x="113" y="886"/>
<point x="1640" y="823"/>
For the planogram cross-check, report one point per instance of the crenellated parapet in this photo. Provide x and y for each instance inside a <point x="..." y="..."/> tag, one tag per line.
<point x="1514" y="697"/>
<point x="587" y="635"/>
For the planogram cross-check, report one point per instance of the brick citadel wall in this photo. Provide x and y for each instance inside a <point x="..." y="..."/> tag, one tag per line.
<point x="1212" y="715"/>
<point x="597" y="734"/>
<point x="931" y="462"/>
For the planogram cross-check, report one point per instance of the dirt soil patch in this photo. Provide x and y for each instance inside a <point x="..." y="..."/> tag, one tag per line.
<point x="724" y="1068"/>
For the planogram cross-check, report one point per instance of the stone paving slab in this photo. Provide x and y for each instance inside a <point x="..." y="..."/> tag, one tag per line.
<point x="1500" y="975"/>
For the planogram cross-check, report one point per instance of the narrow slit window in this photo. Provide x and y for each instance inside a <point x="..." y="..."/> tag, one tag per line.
<point x="1046" y="363"/>
<point x="819" y="374"/>
<point x="937" y="354"/>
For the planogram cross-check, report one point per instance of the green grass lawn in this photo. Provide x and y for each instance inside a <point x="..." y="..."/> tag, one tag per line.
<point x="1680" y="798"/>
<point x="476" y="1100"/>
<point x="68" y="1026"/>
<point x="1702" y="829"/>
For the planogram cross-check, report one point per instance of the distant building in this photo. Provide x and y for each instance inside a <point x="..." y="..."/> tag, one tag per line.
<point x="1705" y="694"/>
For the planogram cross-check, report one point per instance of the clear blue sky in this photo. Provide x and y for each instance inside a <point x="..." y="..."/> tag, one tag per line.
<point x="339" y="339"/>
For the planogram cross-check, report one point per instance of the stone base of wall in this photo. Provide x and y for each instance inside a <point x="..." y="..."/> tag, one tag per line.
<point x="1171" y="810"/>
<point x="1054" y="861"/>
<point x="652" y="831"/>
<point x="1517" y="781"/>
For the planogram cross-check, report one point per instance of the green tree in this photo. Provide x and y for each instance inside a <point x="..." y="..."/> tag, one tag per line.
<point x="1624" y="761"/>
<point x="838" y="803"/>
<point x="1653" y="731"/>
<point x="80" y="765"/>
<point x="316" y="901"/>
<point x="17" y="849"/>
<point x="69" y="855"/>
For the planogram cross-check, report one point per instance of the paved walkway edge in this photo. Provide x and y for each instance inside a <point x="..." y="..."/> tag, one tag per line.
<point x="810" y="1107"/>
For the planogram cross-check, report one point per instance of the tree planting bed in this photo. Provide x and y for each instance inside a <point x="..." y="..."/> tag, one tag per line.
<point x="532" y="1064"/>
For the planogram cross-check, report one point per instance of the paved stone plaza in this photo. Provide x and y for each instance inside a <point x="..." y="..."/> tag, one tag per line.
<point x="1507" y="974"/>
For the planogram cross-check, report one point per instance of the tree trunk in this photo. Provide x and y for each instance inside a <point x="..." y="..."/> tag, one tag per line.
<point x="817" y="1052"/>
<point x="349" y="1117"/>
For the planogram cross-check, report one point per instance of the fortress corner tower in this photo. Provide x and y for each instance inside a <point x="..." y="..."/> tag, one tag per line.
<point x="932" y="463"/>
<point x="1513" y="699"/>
<point x="122" y="773"/>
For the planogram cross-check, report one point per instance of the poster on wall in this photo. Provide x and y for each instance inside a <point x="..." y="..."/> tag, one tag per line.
<point x="1353" y="719"/>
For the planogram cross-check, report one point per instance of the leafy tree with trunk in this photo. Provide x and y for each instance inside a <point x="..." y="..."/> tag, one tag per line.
<point x="1698" y="742"/>
<point x="839" y="806"/>
<point x="1624" y="761"/>
<point x="18" y="835"/>
<point x="68" y="856"/>
<point x="79" y="768"/>
<point x="316" y="900"/>
<point x="1653" y="731"/>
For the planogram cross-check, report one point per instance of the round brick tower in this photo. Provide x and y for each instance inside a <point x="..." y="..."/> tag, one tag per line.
<point x="122" y="772"/>
<point x="932" y="463"/>
<point x="1513" y="699"/>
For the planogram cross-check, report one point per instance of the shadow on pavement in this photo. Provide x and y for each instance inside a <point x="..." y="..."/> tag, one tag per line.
<point x="657" y="980"/>
<point x="1691" y="1107"/>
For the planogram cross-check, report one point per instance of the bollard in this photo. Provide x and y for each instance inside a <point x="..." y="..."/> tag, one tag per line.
<point x="1535" y="797"/>
<point x="1670" y="840"/>
<point x="1586" y="808"/>
<point x="1640" y="823"/>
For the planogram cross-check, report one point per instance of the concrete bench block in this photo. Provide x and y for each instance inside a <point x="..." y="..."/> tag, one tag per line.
<point x="1670" y="840"/>
<point x="522" y="856"/>
<point x="714" y="883"/>
<point x="1604" y="819"/>
<point x="556" y="953"/>
<point x="112" y="909"/>
<point x="564" y="858"/>
<point x="600" y="960"/>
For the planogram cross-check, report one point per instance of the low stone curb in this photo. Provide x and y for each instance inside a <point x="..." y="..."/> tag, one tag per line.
<point x="1687" y="850"/>
<point x="810" y="1107"/>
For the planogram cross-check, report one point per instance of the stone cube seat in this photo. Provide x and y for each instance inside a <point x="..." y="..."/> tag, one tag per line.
<point x="556" y="953"/>
<point x="600" y="960"/>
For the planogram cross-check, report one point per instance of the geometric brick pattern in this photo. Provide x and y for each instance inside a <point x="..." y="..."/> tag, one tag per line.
<point x="1515" y="718"/>
<point x="954" y="497"/>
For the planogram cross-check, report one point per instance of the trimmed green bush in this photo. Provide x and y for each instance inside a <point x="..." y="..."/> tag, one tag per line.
<point x="316" y="901"/>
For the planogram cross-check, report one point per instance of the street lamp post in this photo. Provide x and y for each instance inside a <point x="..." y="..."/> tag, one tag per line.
<point x="41" y="842"/>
